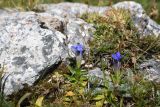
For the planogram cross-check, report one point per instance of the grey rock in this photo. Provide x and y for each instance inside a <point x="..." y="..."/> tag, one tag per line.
<point x="95" y="77"/>
<point x="144" y="23"/>
<point x="97" y="72"/>
<point x="7" y="11"/>
<point x="30" y="44"/>
<point x="67" y="9"/>
<point x="96" y="80"/>
<point x="151" y="70"/>
<point x="51" y="22"/>
<point x="26" y="49"/>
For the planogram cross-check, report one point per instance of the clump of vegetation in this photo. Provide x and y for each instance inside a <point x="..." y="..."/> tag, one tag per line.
<point x="20" y="4"/>
<point x="116" y="32"/>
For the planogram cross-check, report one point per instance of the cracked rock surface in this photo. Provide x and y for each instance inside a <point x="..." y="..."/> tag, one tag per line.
<point x="32" y="42"/>
<point x="151" y="70"/>
<point x="143" y="22"/>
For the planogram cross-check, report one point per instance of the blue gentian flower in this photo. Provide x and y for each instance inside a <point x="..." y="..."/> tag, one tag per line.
<point x="117" y="56"/>
<point x="78" y="49"/>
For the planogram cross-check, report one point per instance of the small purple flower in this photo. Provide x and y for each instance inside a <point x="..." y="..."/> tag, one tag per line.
<point x="78" y="49"/>
<point x="117" y="56"/>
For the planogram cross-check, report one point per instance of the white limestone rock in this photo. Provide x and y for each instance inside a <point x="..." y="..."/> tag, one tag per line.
<point x="141" y="20"/>
<point x="30" y="45"/>
<point x="26" y="49"/>
<point x="151" y="70"/>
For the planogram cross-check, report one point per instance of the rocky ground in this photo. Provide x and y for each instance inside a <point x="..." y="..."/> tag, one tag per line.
<point x="34" y="44"/>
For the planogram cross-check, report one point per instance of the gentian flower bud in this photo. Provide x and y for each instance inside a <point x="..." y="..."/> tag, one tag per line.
<point x="78" y="49"/>
<point x="117" y="57"/>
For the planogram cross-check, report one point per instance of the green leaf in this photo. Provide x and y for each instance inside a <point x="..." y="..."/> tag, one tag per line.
<point x="66" y="99"/>
<point x="121" y="102"/>
<point x="71" y="69"/>
<point x="99" y="103"/>
<point x="99" y="97"/>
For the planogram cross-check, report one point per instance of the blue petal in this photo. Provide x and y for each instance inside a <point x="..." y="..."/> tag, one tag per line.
<point x="73" y="48"/>
<point x="77" y="48"/>
<point x="114" y="56"/>
<point x="118" y="55"/>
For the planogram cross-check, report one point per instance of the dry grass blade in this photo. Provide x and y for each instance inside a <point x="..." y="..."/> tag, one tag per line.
<point x="22" y="99"/>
